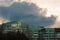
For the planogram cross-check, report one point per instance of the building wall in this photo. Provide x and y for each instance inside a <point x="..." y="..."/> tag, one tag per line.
<point x="34" y="33"/>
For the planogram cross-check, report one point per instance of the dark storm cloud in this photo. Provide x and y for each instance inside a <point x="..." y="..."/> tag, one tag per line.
<point x="26" y="12"/>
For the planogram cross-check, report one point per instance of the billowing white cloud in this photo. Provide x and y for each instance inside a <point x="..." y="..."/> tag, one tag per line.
<point x="53" y="6"/>
<point x="26" y="12"/>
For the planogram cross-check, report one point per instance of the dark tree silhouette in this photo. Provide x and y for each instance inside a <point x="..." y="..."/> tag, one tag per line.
<point x="14" y="36"/>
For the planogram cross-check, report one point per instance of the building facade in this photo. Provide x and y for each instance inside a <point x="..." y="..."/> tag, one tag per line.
<point x="33" y="33"/>
<point x="15" y="26"/>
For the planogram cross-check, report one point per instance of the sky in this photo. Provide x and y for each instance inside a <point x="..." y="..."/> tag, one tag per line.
<point x="52" y="6"/>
